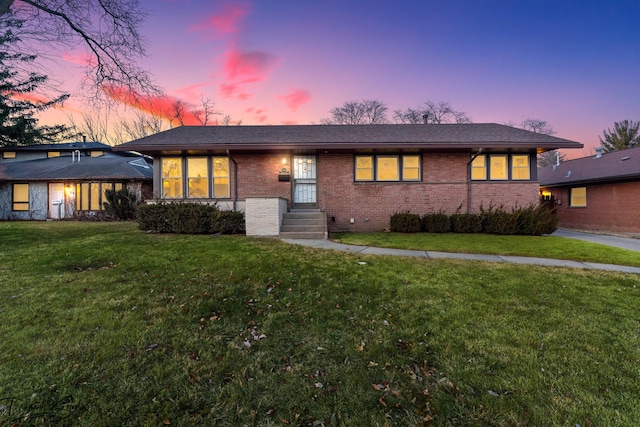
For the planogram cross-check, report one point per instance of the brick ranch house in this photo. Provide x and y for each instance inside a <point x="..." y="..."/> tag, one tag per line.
<point x="355" y="177"/>
<point x="599" y="192"/>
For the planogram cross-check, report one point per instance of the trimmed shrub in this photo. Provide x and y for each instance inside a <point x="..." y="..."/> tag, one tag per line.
<point x="120" y="204"/>
<point x="227" y="222"/>
<point x="437" y="222"/>
<point x="154" y="217"/>
<point x="188" y="218"/>
<point x="498" y="221"/>
<point x="466" y="223"/>
<point x="535" y="220"/>
<point x="405" y="222"/>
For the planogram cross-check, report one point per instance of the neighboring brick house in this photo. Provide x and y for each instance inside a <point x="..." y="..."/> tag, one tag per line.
<point x="599" y="192"/>
<point x="357" y="176"/>
<point x="57" y="181"/>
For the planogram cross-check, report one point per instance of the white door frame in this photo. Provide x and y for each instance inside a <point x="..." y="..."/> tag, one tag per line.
<point x="305" y="181"/>
<point x="56" y="200"/>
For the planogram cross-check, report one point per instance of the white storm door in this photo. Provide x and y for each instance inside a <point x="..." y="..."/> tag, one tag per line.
<point x="56" y="200"/>
<point x="304" y="180"/>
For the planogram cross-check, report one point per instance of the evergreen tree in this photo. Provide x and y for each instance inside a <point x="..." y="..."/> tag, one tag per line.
<point x="625" y="134"/>
<point x="19" y="101"/>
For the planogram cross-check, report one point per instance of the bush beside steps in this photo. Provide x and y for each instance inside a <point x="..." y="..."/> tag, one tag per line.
<point x="188" y="218"/>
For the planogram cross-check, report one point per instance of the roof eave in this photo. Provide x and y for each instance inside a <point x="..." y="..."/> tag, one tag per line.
<point x="155" y="148"/>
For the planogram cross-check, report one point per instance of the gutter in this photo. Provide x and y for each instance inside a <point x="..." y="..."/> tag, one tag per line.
<point x="235" y="180"/>
<point x="469" y="192"/>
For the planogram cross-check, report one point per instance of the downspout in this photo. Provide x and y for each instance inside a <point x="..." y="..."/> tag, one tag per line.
<point x="235" y="180"/>
<point x="469" y="193"/>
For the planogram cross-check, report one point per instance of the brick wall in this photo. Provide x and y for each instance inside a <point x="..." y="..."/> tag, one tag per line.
<point x="258" y="176"/>
<point x="444" y="187"/>
<point x="610" y="207"/>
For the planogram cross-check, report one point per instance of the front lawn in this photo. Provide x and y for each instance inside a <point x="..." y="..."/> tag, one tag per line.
<point x="532" y="246"/>
<point x="103" y="324"/>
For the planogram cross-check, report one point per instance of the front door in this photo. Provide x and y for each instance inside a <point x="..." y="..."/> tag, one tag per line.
<point x="304" y="182"/>
<point x="56" y="200"/>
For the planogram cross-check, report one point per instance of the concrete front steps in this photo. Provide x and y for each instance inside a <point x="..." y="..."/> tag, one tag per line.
<point x="304" y="224"/>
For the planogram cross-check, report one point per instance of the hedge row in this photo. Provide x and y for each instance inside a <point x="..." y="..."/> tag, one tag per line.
<point x="188" y="218"/>
<point x="531" y="221"/>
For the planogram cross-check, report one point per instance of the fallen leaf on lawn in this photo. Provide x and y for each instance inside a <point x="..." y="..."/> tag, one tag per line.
<point x="372" y="364"/>
<point x="319" y="385"/>
<point x="382" y="402"/>
<point x="493" y="393"/>
<point x="166" y="421"/>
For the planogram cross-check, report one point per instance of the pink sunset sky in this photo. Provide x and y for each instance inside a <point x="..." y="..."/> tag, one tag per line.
<point x="574" y="64"/>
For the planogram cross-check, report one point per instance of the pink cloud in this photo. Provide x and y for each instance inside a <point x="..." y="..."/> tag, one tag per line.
<point x="247" y="66"/>
<point x="226" y="22"/>
<point x="289" y="122"/>
<point x="163" y="106"/>
<point x="233" y="90"/>
<point x="295" y="98"/>
<point x="242" y="68"/>
<point x="79" y="59"/>
<point x="192" y="92"/>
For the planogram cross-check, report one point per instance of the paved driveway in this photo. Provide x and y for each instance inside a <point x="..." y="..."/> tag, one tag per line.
<point x="605" y="239"/>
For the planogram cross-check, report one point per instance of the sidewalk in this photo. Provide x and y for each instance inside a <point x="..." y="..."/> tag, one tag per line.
<point x="368" y="250"/>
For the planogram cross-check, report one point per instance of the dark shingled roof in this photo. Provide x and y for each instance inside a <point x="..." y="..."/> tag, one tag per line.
<point x="66" y="146"/>
<point x="618" y="165"/>
<point x="446" y="136"/>
<point x="106" y="167"/>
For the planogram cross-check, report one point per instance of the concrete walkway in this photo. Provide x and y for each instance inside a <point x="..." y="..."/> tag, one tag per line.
<point x="369" y="250"/>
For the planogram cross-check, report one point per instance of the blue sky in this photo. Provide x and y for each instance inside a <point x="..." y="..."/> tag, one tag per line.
<point x="574" y="64"/>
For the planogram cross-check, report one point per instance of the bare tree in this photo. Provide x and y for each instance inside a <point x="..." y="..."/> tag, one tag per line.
<point x="371" y="112"/>
<point x="537" y="126"/>
<point x="541" y="126"/>
<point x="176" y="113"/>
<point x="141" y="125"/>
<point x="205" y="111"/>
<point x="226" y="121"/>
<point x="431" y="113"/>
<point x="107" y="29"/>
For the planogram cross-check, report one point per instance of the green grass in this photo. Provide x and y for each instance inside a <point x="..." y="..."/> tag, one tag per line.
<point x="103" y="324"/>
<point x="532" y="246"/>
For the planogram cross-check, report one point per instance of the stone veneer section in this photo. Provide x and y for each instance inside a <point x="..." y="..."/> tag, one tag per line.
<point x="263" y="215"/>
